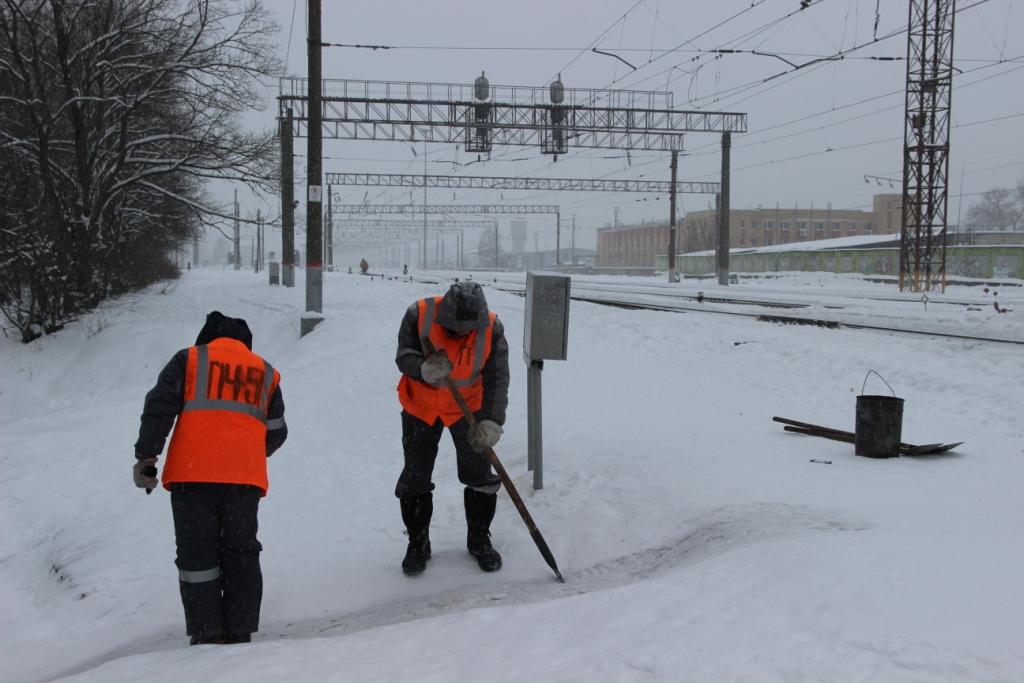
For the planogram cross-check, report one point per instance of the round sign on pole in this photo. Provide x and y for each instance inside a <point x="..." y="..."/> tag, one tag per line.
<point x="315" y="192"/>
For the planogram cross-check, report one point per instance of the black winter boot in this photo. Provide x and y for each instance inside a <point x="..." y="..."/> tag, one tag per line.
<point x="416" y="513"/>
<point x="206" y="640"/>
<point x="479" y="513"/>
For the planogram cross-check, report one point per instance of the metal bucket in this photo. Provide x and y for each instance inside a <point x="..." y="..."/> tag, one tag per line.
<point x="878" y="429"/>
<point x="879" y="426"/>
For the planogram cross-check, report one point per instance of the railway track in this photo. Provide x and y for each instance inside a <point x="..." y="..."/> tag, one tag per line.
<point x="688" y="303"/>
<point x="762" y="317"/>
<point x="671" y="291"/>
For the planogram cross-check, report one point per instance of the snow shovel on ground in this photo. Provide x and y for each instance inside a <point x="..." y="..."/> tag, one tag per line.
<point x="848" y="437"/>
<point x="428" y="346"/>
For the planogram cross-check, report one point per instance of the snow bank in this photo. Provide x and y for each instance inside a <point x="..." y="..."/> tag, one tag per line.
<point x="697" y="539"/>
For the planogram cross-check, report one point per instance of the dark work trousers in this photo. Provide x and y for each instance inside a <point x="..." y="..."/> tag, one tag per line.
<point x="218" y="557"/>
<point x="419" y="442"/>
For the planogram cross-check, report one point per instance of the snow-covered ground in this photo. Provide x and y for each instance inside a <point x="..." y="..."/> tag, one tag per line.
<point x="699" y="542"/>
<point x="809" y="245"/>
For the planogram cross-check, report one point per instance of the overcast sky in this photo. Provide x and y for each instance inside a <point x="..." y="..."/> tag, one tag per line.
<point x="813" y="134"/>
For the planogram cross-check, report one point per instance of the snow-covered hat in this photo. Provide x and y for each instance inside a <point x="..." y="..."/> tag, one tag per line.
<point x="463" y="307"/>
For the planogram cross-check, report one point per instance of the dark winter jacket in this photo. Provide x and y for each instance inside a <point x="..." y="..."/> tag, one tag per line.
<point x="494" y="374"/>
<point x="166" y="400"/>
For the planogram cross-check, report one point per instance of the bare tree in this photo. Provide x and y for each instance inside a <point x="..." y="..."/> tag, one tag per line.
<point x="699" y="234"/>
<point x="997" y="211"/>
<point x="1018" y="223"/>
<point x="114" y="114"/>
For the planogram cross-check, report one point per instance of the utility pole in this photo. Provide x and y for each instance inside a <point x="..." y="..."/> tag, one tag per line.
<point x="495" y="245"/>
<point x="287" y="202"/>
<point x="330" y="232"/>
<point x="237" y="240"/>
<point x="195" y="250"/>
<point x="573" y="247"/>
<point x="424" y="205"/>
<point x="718" y="224"/>
<point x="314" y="171"/>
<point x="618" y="241"/>
<point x="558" y="238"/>
<point x="672" y="220"/>
<point x="259" y="241"/>
<point x="723" y="225"/>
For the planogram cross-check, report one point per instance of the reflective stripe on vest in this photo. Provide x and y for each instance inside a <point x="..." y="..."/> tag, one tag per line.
<point x="206" y="403"/>
<point x="220" y="435"/>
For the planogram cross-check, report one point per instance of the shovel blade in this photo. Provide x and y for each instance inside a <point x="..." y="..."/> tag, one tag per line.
<point x="931" y="449"/>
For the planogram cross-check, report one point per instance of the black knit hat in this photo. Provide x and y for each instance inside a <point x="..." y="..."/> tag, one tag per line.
<point x="463" y="307"/>
<point x="219" y="325"/>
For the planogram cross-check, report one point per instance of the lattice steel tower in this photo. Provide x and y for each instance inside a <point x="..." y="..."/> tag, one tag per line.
<point x="926" y="145"/>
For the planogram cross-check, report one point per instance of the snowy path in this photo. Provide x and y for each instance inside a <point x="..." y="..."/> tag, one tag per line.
<point x="697" y="540"/>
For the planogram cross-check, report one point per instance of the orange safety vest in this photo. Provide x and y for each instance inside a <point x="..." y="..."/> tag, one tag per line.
<point x="220" y="435"/>
<point x="468" y="354"/>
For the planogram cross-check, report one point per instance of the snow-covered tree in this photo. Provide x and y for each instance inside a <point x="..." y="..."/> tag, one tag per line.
<point x="999" y="209"/>
<point x="114" y="114"/>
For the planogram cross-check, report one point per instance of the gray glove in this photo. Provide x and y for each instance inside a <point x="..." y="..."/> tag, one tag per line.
<point x="144" y="473"/>
<point x="436" y="367"/>
<point x="484" y="435"/>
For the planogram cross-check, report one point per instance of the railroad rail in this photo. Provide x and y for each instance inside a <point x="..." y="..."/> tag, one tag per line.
<point x="791" y="320"/>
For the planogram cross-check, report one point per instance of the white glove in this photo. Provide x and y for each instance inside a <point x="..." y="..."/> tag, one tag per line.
<point x="484" y="435"/>
<point x="436" y="367"/>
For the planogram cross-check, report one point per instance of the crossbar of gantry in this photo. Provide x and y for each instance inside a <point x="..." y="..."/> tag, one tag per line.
<point x="397" y="223"/>
<point x="355" y="233"/>
<point x="516" y="209"/>
<point x="382" y="239"/>
<point x="510" y="115"/>
<point x="499" y="183"/>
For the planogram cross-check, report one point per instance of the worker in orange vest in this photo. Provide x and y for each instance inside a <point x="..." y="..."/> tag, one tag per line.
<point x="225" y="405"/>
<point x="471" y="346"/>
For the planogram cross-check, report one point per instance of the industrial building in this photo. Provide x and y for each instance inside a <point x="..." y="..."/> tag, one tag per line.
<point x="867" y="255"/>
<point x="637" y="245"/>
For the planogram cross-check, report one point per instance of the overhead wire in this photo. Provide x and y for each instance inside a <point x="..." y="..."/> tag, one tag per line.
<point x="797" y="120"/>
<point x="841" y="55"/>
<point x="597" y="40"/>
<point x="588" y="204"/>
<point x="291" y="30"/>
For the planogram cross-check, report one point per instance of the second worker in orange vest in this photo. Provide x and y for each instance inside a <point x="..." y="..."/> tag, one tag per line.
<point x="471" y="346"/>
<point x="225" y="405"/>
